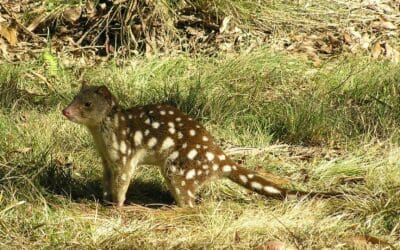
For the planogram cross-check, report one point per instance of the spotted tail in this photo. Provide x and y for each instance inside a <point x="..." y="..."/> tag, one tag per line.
<point x="268" y="186"/>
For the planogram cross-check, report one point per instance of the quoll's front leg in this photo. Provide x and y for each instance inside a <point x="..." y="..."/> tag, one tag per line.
<point x="122" y="174"/>
<point x="120" y="183"/>
<point x="107" y="182"/>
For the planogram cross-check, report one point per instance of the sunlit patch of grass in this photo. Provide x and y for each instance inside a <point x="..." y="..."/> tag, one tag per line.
<point x="50" y="174"/>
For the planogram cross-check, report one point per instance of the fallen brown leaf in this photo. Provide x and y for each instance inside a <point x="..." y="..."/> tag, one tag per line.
<point x="90" y="8"/>
<point x="376" y="50"/>
<point x="9" y="33"/>
<point x="72" y="14"/>
<point x="367" y="239"/>
<point x="347" y="38"/>
<point x="392" y="54"/>
<point x="384" y="25"/>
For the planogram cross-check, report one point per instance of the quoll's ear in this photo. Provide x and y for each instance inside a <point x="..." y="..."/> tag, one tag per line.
<point x="103" y="91"/>
<point x="84" y="85"/>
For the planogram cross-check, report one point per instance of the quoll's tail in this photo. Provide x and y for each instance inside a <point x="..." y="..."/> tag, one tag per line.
<point x="268" y="187"/>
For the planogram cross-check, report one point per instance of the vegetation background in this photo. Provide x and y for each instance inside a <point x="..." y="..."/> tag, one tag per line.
<point x="307" y="90"/>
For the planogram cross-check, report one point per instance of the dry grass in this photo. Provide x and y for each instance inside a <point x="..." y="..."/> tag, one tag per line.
<point x="331" y="128"/>
<point x="50" y="175"/>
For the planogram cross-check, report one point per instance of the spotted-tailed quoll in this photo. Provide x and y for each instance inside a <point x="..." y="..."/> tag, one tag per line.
<point x="158" y="135"/>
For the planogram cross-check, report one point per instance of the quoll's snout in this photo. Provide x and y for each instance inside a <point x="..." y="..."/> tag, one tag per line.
<point x="66" y="112"/>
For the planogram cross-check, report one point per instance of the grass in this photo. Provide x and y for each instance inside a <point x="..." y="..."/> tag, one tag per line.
<point x="331" y="128"/>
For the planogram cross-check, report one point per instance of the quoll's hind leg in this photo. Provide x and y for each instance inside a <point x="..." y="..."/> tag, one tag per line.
<point x="184" y="191"/>
<point x="181" y="184"/>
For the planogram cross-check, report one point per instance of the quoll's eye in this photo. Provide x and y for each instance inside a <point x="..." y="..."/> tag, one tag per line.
<point x="88" y="104"/>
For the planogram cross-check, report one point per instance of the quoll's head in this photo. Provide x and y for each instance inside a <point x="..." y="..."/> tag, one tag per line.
<point x="90" y="106"/>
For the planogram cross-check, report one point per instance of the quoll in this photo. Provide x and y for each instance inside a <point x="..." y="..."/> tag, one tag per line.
<point x="158" y="135"/>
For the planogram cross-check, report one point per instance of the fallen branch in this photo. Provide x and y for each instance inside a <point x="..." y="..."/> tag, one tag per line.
<point x="21" y="26"/>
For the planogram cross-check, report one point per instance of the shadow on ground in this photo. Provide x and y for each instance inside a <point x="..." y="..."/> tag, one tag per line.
<point x="60" y="181"/>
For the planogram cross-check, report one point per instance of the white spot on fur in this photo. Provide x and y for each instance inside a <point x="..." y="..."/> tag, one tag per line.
<point x="221" y="157"/>
<point x="162" y="112"/>
<point x="190" y="174"/>
<point x="171" y="112"/>
<point x="123" y="177"/>
<point x="146" y="132"/>
<point x="191" y="195"/>
<point x="171" y="130"/>
<point x="174" y="155"/>
<point x="190" y="204"/>
<point x="192" y="132"/>
<point x="155" y="124"/>
<point x="215" y="167"/>
<point x="190" y="119"/>
<point x="116" y="120"/>
<point x="184" y="145"/>
<point x="199" y="172"/>
<point x="137" y="157"/>
<point x="123" y="132"/>
<point x="243" y="178"/>
<point x="180" y="135"/>
<point x="152" y="142"/>
<point x="210" y="156"/>
<point x="272" y="190"/>
<point x="183" y="183"/>
<point x="178" y="119"/>
<point x="138" y="137"/>
<point x="251" y="176"/>
<point x="151" y="111"/>
<point x="147" y="121"/>
<point x="130" y="116"/>
<point x="198" y="146"/>
<point x="256" y="185"/>
<point x="114" y="140"/>
<point x="114" y="156"/>
<point x="205" y="138"/>
<point x="122" y="118"/>
<point x="167" y="143"/>
<point x="123" y="147"/>
<point x="192" y="153"/>
<point x="177" y="191"/>
<point x="171" y="124"/>
<point x="173" y="168"/>
<point x="227" y="168"/>
<point x="141" y="115"/>
<point x="205" y="166"/>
